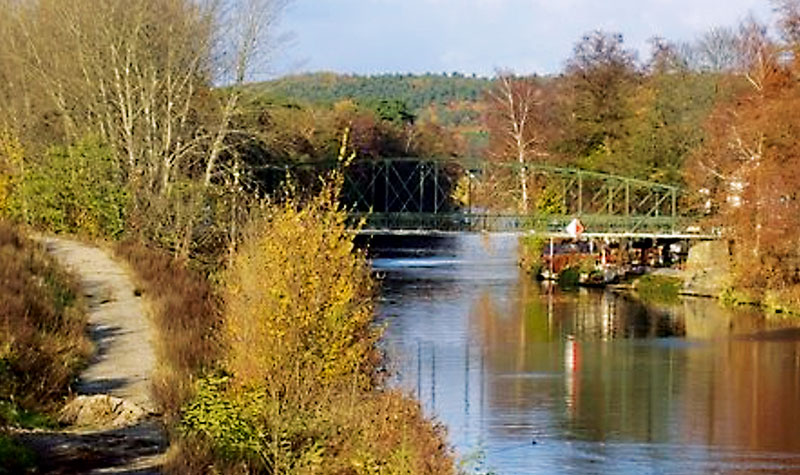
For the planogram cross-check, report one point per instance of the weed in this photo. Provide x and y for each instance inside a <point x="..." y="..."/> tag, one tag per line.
<point x="13" y="415"/>
<point x="658" y="288"/>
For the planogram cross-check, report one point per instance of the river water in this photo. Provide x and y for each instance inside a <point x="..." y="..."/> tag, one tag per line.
<point x="531" y="379"/>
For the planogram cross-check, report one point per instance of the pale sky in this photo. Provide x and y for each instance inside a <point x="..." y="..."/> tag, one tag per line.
<point x="480" y="36"/>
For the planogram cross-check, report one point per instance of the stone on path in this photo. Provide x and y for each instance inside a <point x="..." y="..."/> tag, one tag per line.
<point x="101" y="411"/>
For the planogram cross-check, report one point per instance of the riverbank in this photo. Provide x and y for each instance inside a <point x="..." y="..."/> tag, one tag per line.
<point x="707" y="271"/>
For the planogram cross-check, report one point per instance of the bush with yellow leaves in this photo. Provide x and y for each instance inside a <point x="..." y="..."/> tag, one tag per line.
<point x="299" y="300"/>
<point x="11" y="154"/>
<point x="297" y="391"/>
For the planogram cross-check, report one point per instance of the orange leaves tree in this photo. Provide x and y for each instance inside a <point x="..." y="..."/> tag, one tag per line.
<point x="747" y="174"/>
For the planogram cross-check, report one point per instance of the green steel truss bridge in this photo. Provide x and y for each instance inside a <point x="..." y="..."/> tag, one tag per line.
<point x="440" y="196"/>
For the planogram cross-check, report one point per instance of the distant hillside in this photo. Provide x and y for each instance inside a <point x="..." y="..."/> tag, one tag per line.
<point x="417" y="92"/>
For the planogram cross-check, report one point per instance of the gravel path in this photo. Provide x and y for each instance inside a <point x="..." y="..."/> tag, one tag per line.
<point x="124" y="356"/>
<point x="121" y="367"/>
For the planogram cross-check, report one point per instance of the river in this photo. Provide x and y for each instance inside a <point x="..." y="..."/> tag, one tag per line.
<point x="528" y="378"/>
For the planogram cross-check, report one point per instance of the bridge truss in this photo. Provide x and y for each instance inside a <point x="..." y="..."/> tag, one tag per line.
<point x="412" y="194"/>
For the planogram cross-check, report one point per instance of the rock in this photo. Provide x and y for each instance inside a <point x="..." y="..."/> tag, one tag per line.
<point x="708" y="269"/>
<point x="101" y="411"/>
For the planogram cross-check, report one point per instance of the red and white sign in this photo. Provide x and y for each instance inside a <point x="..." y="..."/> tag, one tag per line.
<point x="575" y="228"/>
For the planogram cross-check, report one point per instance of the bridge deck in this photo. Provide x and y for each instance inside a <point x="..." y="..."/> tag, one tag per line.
<point x="548" y="234"/>
<point x="453" y="223"/>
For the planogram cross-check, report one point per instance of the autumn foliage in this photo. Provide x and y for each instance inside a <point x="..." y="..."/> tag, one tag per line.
<point x="747" y="175"/>
<point x="300" y="300"/>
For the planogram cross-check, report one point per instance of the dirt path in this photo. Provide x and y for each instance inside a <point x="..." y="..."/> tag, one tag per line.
<point x="121" y="367"/>
<point x="124" y="356"/>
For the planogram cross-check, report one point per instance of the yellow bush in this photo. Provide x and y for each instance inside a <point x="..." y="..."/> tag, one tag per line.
<point x="11" y="155"/>
<point x="296" y="392"/>
<point x="299" y="300"/>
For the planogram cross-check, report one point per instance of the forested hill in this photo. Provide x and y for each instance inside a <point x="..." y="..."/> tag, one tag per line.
<point x="416" y="91"/>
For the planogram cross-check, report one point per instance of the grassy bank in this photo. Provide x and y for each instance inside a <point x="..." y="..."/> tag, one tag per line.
<point x="42" y="339"/>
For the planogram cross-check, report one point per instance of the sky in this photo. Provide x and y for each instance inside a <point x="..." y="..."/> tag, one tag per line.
<point x="480" y="36"/>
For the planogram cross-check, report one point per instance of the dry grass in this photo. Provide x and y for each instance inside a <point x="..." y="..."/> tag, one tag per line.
<point x="43" y="342"/>
<point x="343" y="434"/>
<point x="187" y="317"/>
<point x="386" y="432"/>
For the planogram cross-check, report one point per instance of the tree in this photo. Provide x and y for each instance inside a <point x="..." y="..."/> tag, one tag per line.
<point x="748" y="168"/>
<point x="668" y="108"/>
<point x="517" y="118"/>
<point x="717" y="51"/>
<point x="139" y="74"/>
<point x="666" y="57"/>
<point x="788" y="21"/>
<point x="602" y="75"/>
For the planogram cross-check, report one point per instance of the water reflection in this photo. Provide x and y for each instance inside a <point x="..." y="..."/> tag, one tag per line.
<point x="544" y="381"/>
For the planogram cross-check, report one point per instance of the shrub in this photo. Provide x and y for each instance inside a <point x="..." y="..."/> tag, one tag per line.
<point x="569" y="277"/>
<point x="299" y="300"/>
<point x="659" y="288"/>
<point x="42" y="329"/>
<point x="74" y="189"/>
<point x="298" y="392"/>
<point x="576" y="266"/>
<point x="531" y="247"/>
